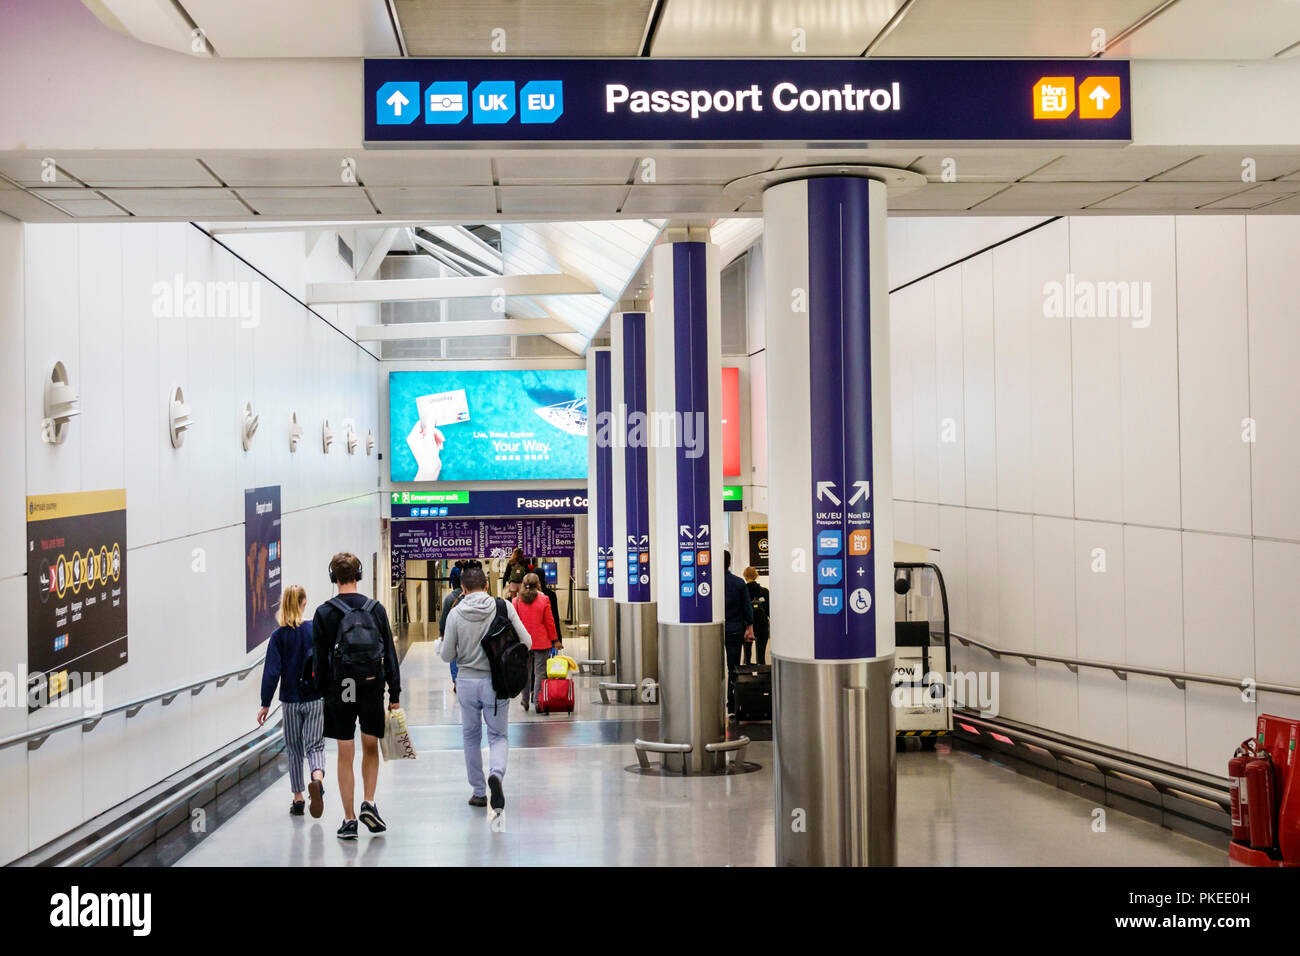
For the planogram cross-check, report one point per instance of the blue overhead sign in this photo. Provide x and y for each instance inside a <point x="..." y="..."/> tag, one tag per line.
<point x="637" y="100"/>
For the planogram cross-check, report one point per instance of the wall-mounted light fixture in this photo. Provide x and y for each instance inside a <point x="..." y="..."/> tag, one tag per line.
<point x="327" y="437"/>
<point x="370" y="442"/>
<point x="61" y="405"/>
<point x="179" y="419"/>
<point x="247" y="425"/>
<point x="295" y="432"/>
<point x="350" y="430"/>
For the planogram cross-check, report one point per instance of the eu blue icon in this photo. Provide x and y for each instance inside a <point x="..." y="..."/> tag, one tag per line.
<point x="541" y="101"/>
<point x="829" y="601"/>
<point x="688" y="590"/>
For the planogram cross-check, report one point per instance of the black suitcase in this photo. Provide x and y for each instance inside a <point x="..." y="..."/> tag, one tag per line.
<point x="754" y="692"/>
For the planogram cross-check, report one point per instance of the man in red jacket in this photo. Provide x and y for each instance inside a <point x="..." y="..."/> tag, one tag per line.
<point x="534" y="609"/>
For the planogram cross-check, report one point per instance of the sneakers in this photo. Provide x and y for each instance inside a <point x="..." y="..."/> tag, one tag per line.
<point x="525" y="704"/>
<point x="348" y="831"/>
<point x="498" y="801"/>
<point x="370" y="817"/>
<point x="316" y="791"/>
<point x="295" y="809"/>
<point x="477" y="801"/>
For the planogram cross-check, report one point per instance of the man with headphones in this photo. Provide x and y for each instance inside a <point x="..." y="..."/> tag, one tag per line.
<point x="355" y="656"/>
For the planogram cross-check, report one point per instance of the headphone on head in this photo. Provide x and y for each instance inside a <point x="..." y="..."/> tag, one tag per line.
<point x="334" y="580"/>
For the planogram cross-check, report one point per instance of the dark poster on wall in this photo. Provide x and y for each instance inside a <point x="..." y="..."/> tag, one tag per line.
<point x="76" y="593"/>
<point x="758" y="547"/>
<point x="261" y="562"/>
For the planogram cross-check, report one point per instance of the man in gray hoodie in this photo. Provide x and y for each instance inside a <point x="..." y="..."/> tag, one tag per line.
<point x="462" y="642"/>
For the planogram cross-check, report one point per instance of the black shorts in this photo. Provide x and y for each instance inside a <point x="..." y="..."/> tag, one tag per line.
<point x="341" y="717"/>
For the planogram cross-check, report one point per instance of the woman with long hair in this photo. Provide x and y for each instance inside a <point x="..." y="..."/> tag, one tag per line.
<point x="289" y="662"/>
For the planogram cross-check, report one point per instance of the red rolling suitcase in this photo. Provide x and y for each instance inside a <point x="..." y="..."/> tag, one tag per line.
<point x="556" y="697"/>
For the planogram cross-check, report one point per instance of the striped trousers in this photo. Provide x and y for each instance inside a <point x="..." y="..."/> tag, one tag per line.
<point x="304" y="737"/>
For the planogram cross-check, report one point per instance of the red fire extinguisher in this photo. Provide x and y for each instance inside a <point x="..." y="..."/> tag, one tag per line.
<point x="1237" y="790"/>
<point x="1261" y="794"/>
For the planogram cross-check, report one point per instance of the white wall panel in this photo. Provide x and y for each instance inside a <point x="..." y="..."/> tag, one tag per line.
<point x="982" y="596"/>
<point x="952" y="562"/>
<point x="1054" y="622"/>
<point x="925" y="529"/>
<point x="902" y="393"/>
<point x="1153" y="597"/>
<point x="925" y="425"/>
<point x="978" y="383"/>
<point x="1213" y="373"/>
<point x="1218" y="719"/>
<point x="1015" y="591"/>
<point x="100" y="333"/>
<point x="54" y="780"/>
<point x="1050" y="411"/>
<point x="1273" y="251"/>
<point x="1218" y="606"/>
<point x="52" y="323"/>
<point x="1277" y="651"/>
<point x="1016" y="306"/>
<point x="144" y="422"/>
<point x="1099" y="600"/>
<point x="904" y="520"/>
<point x="950" y="386"/>
<point x="13" y="396"/>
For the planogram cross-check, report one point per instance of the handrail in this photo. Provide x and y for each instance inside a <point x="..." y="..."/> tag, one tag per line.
<point x="105" y="843"/>
<point x="1179" y="679"/>
<point x="88" y="722"/>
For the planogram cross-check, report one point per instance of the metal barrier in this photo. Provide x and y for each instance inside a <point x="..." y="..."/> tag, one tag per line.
<point x="606" y="687"/>
<point x="88" y="722"/>
<point x="1179" y="679"/>
<point x="658" y="747"/>
<point x="724" y="749"/>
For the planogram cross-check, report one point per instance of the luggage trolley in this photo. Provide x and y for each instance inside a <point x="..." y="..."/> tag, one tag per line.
<point x="923" y="657"/>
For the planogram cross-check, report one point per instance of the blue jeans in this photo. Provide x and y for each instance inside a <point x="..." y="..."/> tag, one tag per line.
<point x="479" y="705"/>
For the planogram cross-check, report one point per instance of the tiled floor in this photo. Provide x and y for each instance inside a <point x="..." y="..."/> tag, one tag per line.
<point x="571" y="802"/>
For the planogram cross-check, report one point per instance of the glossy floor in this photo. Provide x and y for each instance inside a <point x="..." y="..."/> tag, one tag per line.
<point x="570" y="801"/>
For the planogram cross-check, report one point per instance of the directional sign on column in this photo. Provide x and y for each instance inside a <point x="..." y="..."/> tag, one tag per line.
<point x="636" y="456"/>
<point x="600" y="511"/>
<point x="839" y="346"/>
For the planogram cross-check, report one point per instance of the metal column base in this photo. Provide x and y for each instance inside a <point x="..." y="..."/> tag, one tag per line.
<point x="637" y="665"/>
<point x="718" y="759"/>
<point x="602" y="638"/>
<point x="835" y="771"/>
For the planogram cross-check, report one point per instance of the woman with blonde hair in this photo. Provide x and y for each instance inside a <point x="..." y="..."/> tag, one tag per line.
<point x="290" y="663"/>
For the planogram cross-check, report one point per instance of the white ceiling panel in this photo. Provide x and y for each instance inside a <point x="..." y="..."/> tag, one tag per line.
<point x="90" y="208"/>
<point x="317" y="201"/>
<point x="1110" y="165"/>
<point x="1011" y="28"/>
<point x="1163" y="197"/>
<point x="1215" y="30"/>
<point x="704" y="166"/>
<point x="305" y="28"/>
<point x="1255" y="196"/>
<point x="989" y="166"/>
<point x="129" y="170"/>
<point x="282" y="169"/>
<point x="952" y="196"/>
<point x="1047" y="198"/>
<point x="435" y="200"/>
<point x="422" y="167"/>
<point x="190" y="203"/>
<point x="1226" y="166"/>
<point x="532" y="28"/>
<point x="669" y="200"/>
<point x="902" y="158"/>
<point x="1285" y="207"/>
<point x="526" y="169"/>
<point x="27" y="208"/>
<point x="560" y="200"/>
<point x="766" y="27"/>
<point x="25" y="169"/>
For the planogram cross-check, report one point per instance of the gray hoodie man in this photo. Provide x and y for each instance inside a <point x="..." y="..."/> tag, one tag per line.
<point x="467" y="625"/>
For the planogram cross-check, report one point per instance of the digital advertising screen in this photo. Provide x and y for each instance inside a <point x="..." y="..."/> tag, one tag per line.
<point x="492" y="425"/>
<point x="262" y="547"/>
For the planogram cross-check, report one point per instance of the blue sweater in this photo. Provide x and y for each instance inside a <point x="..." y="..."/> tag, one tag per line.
<point x="286" y="658"/>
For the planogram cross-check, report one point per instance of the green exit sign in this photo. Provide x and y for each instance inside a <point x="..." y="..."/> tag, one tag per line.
<point x="732" y="492"/>
<point x="430" y="497"/>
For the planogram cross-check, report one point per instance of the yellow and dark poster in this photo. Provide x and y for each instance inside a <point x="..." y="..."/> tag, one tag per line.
<point x="76" y="591"/>
<point x="261" y="562"/>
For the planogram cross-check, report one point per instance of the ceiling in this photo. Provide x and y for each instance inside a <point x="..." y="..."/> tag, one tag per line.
<point x="1175" y="29"/>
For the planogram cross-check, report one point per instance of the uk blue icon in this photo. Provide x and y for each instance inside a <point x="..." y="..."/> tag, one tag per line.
<point x="688" y="574"/>
<point x="541" y="101"/>
<point x="830" y="572"/>
<point x="829" y="601"/>
<point x="397" y="103"/>
<point x="446" y="104"/>
<point x="494" y="101"/>
<point x="829" y="542"/>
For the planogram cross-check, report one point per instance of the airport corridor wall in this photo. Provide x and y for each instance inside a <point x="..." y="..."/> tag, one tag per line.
<point x="85" y="294"/>
<point x="1090" y="482"/>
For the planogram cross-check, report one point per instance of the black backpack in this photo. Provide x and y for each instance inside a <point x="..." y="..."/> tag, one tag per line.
<point x="307" y="679"/>
<point x="358" y="652"/>
<point x="508" y="658"/>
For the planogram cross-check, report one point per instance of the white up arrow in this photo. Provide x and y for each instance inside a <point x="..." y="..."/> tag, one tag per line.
<point x="826" y="489"/>
<point x="1099" y="97"/>
<point x="397" y="101"/>
<point x="864" y="491"/>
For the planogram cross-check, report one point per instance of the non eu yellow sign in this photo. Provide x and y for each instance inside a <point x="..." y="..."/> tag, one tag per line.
<point x="1098" y="97"/>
